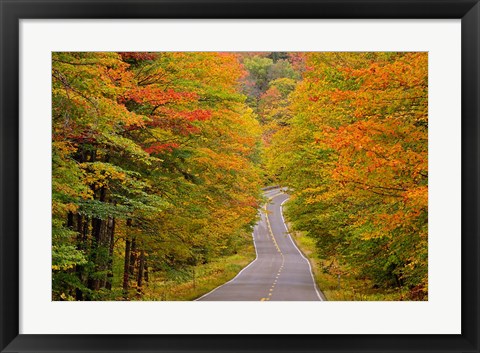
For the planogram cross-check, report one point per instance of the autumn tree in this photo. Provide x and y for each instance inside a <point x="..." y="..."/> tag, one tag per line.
<point x="357" y="142"/>
<point x="154" y="167"/>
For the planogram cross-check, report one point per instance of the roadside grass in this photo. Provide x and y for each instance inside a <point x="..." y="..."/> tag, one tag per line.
<point x="204" y="278"/>
<point x="343" y="288"/>
<point x="351" y="289"/>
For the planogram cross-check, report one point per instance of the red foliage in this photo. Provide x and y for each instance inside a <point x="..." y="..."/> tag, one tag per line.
<point x="194" y="115"/>
<point x="162" y="147"/>
<point x="158" y="96"/>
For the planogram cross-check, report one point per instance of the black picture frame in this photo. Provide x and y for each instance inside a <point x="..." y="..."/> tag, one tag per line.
<point x="12" y="11"/>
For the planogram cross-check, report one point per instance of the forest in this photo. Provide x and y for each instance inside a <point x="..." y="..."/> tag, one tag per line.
<point x="159" y="160"/>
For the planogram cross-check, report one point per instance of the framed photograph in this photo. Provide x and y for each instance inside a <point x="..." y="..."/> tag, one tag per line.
<point x="239" y="176"/>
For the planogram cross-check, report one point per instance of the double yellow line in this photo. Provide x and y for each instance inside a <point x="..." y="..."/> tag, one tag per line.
<point x="269" y="226"/>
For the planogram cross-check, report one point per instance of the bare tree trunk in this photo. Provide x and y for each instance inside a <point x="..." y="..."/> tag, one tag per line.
<point x="126" y="267"/>
<point x="70" y="220"/>
<point x="146" y="271"/>
<point x="99" y="256"/>
<point x="133" y="257"/>
<point x="140" y="271"/>
<point x="111" y="232"/>
<point x="81" y="233"/>
<point x="80" y="246"/>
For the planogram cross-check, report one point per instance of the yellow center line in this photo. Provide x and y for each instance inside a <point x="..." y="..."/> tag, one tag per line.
<point x="274" y="240"/>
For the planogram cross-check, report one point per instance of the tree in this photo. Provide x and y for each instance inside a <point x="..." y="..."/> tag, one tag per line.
<point x="358" y="144"/>
<point x="154" y="167"/>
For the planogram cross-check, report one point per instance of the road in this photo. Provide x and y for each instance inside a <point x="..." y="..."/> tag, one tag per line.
<point x="280" y="272"/>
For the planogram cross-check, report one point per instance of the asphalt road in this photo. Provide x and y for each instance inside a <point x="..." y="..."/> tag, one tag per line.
<point x="279" y="273"/>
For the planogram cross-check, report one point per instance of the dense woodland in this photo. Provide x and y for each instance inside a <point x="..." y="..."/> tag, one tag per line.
<point x="158" y="160"/>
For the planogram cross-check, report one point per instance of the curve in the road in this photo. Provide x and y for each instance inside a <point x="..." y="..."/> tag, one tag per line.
<point x="280" y="272"/>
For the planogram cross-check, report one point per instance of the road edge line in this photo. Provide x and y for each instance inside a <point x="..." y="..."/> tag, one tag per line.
<point x="320" y="294"/>
<point x="238" y="274"/>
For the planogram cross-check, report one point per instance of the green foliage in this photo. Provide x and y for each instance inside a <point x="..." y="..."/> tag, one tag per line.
<point x="262" y="71"/>
<point x="154" y="150"/>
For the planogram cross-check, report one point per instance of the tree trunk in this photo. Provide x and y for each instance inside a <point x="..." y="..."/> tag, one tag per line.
<point x="70" y="220"/>
<point x="133" y="257"/>
<point x="80" y="246"/>
<point x="146" y="271"/>
<point x="99" y="247"/>
<point x="111" y="232"/>
<point x="126" y="267"/>
<point x="140" y="271"/>
<point x="81" y="232"/>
